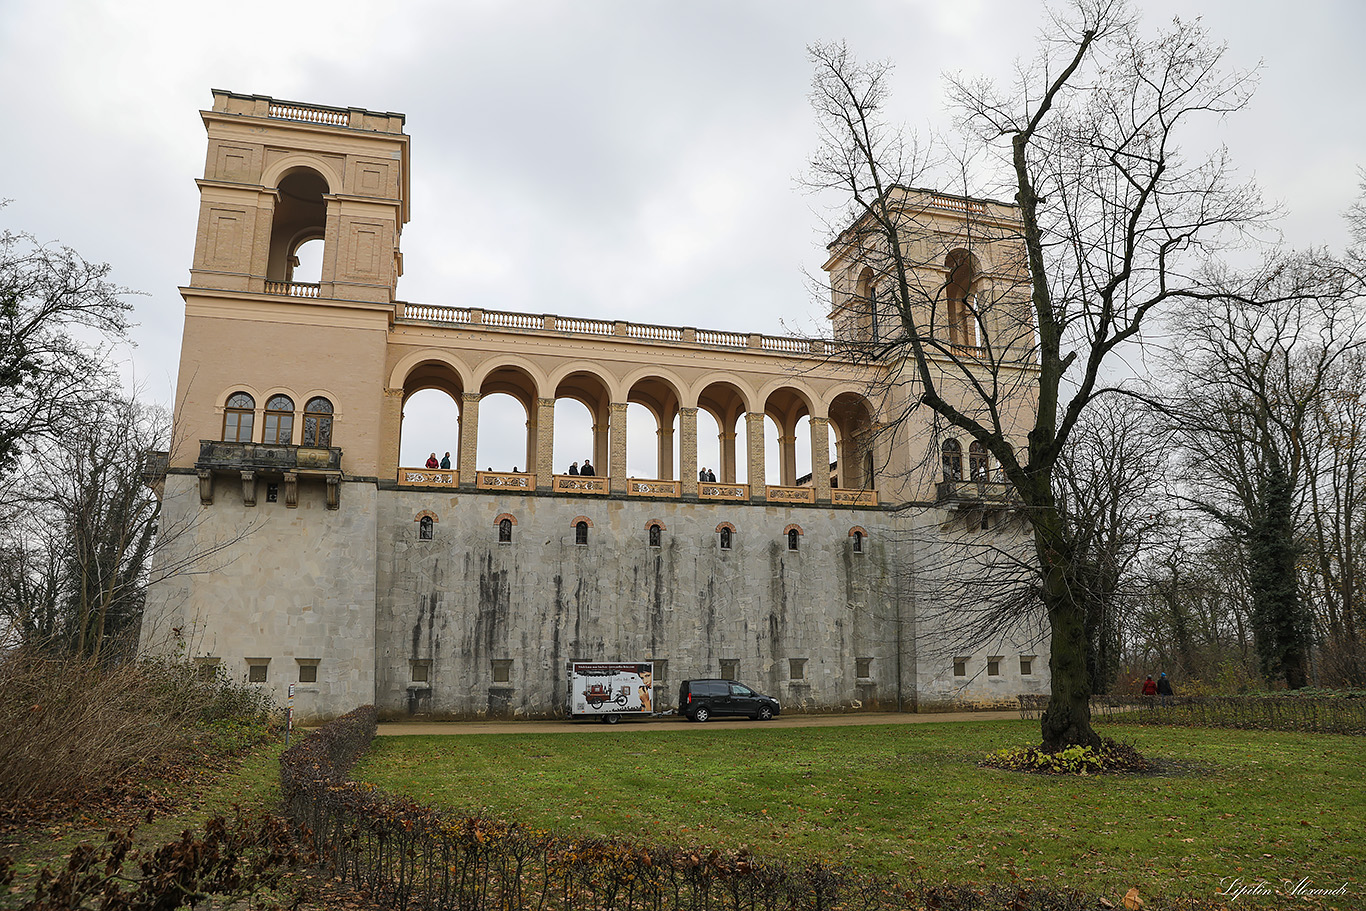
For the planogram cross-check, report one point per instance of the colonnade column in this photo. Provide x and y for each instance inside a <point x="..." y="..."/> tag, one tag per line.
<point x="820" y="458"/>
<point x="390" y="429"/>
<point x="727" y="466"/>
<point x="666" y="450"/>
<point x="469" y="437"/>
<point x="687" y="450"/>
<point x="787" y="459"/>
<point x="601" y="457"/>
<point x="754" y="434"/>
<point x="617" y="467"/>
<point x="544" y="464"/>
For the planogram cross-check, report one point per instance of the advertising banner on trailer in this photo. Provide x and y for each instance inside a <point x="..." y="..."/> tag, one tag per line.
<point x="611" y="690"/>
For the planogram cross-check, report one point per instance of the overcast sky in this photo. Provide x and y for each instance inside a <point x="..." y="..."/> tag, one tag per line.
<point x="618" y="159"/>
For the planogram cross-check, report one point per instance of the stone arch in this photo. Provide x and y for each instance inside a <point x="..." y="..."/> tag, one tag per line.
<point x="506" y="515"/>
<point x="426" y="514"/>
<point x="221" y="400"/>
<point x="584" y="382"/>
<point x="962" y="269"/>
<point x="657" y="522"/>
<point x="299" y="215"/>
<point x="786" y="403"/>
<point x="660" y="395"/>
<point x="726" y="398"/>
<point x="851" y="417"/>
<point x="577" y="519"/>
<point x="429" y="370"/>
<point x="278" y="169"/>
<point x="402" y="372"/>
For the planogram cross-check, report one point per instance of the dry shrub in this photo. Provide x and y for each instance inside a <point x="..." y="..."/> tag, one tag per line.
<point x="72" y="727"/>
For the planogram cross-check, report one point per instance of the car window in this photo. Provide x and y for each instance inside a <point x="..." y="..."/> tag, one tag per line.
<point x="739" y="689"/>
<point x="712" y="689"/>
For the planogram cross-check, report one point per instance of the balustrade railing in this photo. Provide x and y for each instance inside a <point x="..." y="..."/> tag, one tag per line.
<point x="574" y="483"/>
<point x="308" y="114"/>
<point x="777" y="494"/>
<point x="294" y="289"/>
<point x="428" y="477"/>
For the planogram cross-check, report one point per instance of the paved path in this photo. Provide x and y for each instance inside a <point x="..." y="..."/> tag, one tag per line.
<point x="674" y="723"/>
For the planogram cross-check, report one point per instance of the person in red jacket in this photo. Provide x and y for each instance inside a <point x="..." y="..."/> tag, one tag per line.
<point x="1149" y="688"/>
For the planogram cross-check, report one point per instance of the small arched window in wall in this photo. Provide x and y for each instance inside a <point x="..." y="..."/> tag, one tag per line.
<point x="238" y="415"/>
<point x="279" y="427"/>
<point x="505" y="531"/>
<point x="581" y="533"/>
<point x="426" y="528"/>
<point x="726" y="534"/>
<point x="951" y="453"/>
<point x="318" y="422"/>
<point x="794" y="536"/>
<point x="856" y="536"/>
<point x="655" y="533"/>
<point x="979" y="465"/>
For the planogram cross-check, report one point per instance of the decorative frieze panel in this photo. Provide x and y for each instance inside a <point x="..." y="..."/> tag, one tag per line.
<point x="428" y="477"/>
<point x="504" y="480"/>
<point x="791" y="494"/>
<point x="638" y="487"/>
<point x="571" y="483"/>
<point x="846" y="497"/>
<point x="714" y="491"/>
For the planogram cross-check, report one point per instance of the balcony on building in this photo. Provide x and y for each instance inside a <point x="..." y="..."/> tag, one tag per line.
<point x="271" y="463"/>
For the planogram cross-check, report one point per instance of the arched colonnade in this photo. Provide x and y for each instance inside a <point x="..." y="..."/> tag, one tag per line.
<point x="737" y="405"/>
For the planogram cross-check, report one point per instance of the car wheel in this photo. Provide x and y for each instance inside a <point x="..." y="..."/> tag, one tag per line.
<point x="610" y="719"/>
<point x="701" y="713"/>
<point x="765" y="713"/>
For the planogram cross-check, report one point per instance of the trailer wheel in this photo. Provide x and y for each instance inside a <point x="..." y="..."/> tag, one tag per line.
<point x="610" y="719"/>
<point x="701" y="713"/>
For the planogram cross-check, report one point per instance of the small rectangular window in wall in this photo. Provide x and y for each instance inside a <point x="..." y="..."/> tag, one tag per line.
<point x="730" y="668"/>
<point x="864" y="667"/>
<point x="258" y="670"/>
<point x="960" y="667"/>
<point x="308" y="670"/>
<point x="1026" y="665"/>
<point x="994" y="666"/>
<point x="502" y="670"/>
<point x="661" y="669"/>
<point x="796" y="668"/>
<point x="420" y="670"/>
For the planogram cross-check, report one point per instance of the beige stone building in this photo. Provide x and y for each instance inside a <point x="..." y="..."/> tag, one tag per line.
<point x="295" y="549"/>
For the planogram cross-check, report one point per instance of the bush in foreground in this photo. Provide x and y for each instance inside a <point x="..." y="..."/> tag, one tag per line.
<point x="75" y="727"/>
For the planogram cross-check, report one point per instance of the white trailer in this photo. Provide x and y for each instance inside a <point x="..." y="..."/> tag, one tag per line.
<point x="611" y="690"/>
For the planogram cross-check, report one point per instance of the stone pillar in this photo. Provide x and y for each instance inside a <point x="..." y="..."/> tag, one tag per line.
<point x="726" y="470"/>
<point x="787" y="458"/>
<point x="617" y="463"/>
<point x="754" y="433"/>
<point x="666" y="451"/>
<point x="390" y="432"/>
<point x="601" y="439"/>
<point x="687" y="450"/>
<point x="469" y="437"/>
<point x="544" y="466"/>
<point x="820" y="458"/>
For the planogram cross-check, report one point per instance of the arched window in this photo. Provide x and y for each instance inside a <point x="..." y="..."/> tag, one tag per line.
<point x="279" y="420"/>
<point x="654" y="535"/>
<point x="505" y="531"/>
<point x="581" y="533"/>
<point x="792" y="537"/>
<point x="725" y="539"/>
<point x="426" y="529"/>
<point x="952" y="453"/>
<point x="238" y="416"/>
<point x="858" y="542"/>
<point x="978" y="463"/>
<point x="318" y="422"/>
<point x="962" y="318"/>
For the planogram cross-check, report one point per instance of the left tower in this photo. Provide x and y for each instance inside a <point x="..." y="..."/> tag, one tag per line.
<point x="280" y="390"/>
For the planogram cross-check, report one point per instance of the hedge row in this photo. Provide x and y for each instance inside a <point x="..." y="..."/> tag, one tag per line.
<point x="408" y="856"/>
<point x="1317" y="714"/>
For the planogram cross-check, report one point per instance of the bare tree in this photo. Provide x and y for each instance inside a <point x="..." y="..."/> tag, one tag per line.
<point x="48" y="296"/>
<point x="1257" y="372"/>
<point x="1110" y="217"/>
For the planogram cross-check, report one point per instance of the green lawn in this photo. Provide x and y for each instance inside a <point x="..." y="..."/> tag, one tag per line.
<point x="911" y="799"/>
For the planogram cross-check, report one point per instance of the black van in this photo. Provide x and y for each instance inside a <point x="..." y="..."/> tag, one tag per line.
<point x="701" y="699"/>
